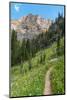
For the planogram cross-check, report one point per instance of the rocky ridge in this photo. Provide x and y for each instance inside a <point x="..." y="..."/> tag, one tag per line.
<point x="29" y="26"/>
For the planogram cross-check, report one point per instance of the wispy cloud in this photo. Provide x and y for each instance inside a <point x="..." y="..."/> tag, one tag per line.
<point x="17" y="7"/>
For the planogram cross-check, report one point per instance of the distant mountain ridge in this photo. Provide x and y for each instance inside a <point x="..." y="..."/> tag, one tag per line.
<point x="29" y="26"/>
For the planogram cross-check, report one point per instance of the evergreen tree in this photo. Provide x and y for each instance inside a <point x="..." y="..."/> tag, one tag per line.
<point x="58" y="45"/>
<point x="21" y="65"/>
<point x="29" y="62"/>
<point x="13" y="47"/>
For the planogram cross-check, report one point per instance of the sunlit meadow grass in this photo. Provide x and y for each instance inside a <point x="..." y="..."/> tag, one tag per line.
<point x="27" y="82"/>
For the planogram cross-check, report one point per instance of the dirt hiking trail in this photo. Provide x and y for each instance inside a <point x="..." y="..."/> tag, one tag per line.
<point x="47" y="89"/>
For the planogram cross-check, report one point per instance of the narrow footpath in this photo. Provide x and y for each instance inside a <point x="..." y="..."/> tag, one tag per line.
<point x="47" y="89"/>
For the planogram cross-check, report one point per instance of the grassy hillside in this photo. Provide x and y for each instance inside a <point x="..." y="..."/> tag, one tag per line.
<point x="57" y="76"/>
<point x="25" y="82"/>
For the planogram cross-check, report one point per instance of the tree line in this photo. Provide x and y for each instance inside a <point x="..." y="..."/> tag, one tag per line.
<point x="27" y="49"/>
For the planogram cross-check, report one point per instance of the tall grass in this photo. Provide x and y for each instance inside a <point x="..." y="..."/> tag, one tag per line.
<point x="31" y="82"/>
<point x="57" y="76"/>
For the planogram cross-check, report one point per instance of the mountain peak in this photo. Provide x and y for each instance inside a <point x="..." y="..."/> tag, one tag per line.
<point x="30" y="25"/>
<point x="30" y="14"/>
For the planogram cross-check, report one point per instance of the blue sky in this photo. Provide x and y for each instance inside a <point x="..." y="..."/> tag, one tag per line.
<point x="46" y="11"/>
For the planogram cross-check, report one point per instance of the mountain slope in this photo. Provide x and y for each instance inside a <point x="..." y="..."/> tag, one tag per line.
<point x="29" y="26"/>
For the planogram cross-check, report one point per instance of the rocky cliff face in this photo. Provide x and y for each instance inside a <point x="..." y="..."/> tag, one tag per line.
<point x="29" y="26"/>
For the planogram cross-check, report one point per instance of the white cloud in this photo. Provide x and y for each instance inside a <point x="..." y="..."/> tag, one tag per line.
<point x="17" y="8"/>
